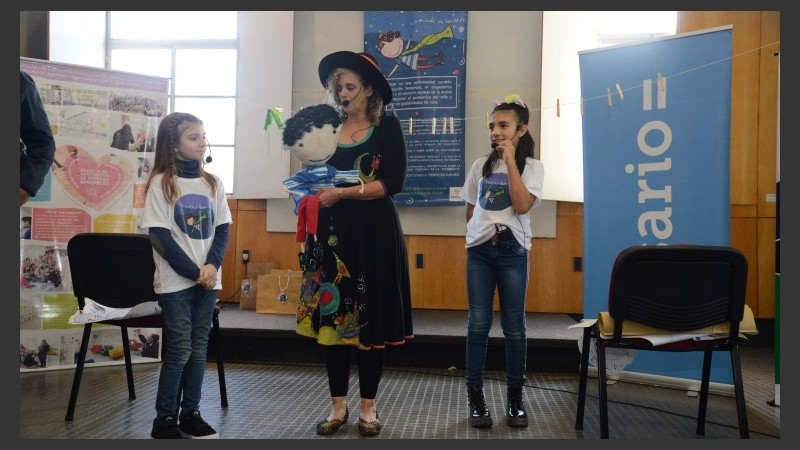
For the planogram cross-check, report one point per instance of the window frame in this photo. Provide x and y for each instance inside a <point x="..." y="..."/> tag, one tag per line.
<point x="173" y="45"/>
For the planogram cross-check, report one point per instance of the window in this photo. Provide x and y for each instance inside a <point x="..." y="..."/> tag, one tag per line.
<point x="621" y="27"/>
<point x="564" y="34"/>
<point x="201" y="52"/>
<point x="198" y="51"/>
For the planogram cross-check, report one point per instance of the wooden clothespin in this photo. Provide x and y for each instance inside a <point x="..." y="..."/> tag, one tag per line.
<point x="487" y="120"/>
<point x="444" y="125"/>
<point x="451" y="125"/>
<point x="581" y="106"/>
<point x="619" y="91"/>
<point x="410" y="125"/>
<point x="558" y="107"/>
<point x="433" y="125"/>
<point x="661" y="82"/>
<point x="608" y="95"/>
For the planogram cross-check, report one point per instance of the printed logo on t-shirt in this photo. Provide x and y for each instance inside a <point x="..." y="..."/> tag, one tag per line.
<point x="195" y="216"/>
<point x="494" y="194"/>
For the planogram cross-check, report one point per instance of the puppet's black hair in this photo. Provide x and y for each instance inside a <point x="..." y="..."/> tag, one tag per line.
<point x="303" y="121"/>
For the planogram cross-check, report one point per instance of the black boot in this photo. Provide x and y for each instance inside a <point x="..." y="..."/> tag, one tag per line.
<point x="516" y="416"/>
<point x="479" y="415"/>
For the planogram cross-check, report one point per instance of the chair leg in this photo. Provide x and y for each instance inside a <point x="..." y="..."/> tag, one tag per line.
<point x="584" y="371"/>
<point x="223" y="390"/>
<point x="126" y="346"/>
<point x="76" y="379"/>
<point x="738" y="386"/>
<point x="601" y="382"/>
<point x="703" y="404"/>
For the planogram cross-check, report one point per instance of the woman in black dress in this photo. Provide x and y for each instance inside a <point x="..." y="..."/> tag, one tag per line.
<point x="355" y="292"/>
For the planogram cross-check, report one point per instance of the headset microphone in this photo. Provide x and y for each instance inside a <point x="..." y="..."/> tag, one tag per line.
<point x="209" y="158"/>
<point x="494" y="145"/>
<point x="347" y="102"/>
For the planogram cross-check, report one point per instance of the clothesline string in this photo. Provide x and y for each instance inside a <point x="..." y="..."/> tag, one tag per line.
<point x="582" y="101"/>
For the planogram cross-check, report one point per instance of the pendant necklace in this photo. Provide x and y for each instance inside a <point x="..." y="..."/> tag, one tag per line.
<point x="282" y="297"/>
<point x="352" y="136"/>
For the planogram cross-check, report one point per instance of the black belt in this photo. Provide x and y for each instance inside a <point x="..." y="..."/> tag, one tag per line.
<point x="503" y="234"/>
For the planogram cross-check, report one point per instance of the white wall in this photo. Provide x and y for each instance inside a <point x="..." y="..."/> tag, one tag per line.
<point x="265" y="81"/>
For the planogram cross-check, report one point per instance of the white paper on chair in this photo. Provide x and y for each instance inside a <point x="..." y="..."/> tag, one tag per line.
<point x="95" y="312"/>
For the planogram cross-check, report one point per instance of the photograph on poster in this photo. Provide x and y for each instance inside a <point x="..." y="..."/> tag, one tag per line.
<point x="90" y="98"/>
<point x="44" y="350"/>
<point x="105" y="344"/>
<point x="53" y="349"/>
<point x="83" y="122"/>
<point x="42" y="266"/>
<point x="50" y="93"/>
<point x="136" y="104"/>
<point x="25" y="223"/>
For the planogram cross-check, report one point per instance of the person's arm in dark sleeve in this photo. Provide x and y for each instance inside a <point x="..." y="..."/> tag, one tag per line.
<point x="392" y="171"/>
<point x="165" y="245"/>
<point x="222" y="236"/>
<point x="36" y="134"/>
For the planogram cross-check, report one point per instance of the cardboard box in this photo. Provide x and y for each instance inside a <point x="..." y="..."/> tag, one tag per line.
<point x="254" y="269"/>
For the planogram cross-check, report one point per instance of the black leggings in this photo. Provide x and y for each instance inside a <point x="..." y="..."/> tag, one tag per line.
<point x="370" y="368"/>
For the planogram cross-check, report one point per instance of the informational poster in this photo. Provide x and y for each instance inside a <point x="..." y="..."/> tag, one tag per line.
<point x="104" y="123"/>
<point x="656" y="161"/>
<point x="423" y="55"/>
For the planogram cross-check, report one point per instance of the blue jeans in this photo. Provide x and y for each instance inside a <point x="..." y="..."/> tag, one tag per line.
<point x="504" y="265"/>
<point x="187" y="318"/>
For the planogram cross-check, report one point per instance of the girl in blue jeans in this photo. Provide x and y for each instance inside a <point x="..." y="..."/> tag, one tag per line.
<point x="500" y="189"/>
<point x="188" y="219"/>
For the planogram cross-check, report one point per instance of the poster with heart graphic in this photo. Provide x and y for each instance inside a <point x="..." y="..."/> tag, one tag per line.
<point x="89" y="181"/>
<point x="92" y="186"/>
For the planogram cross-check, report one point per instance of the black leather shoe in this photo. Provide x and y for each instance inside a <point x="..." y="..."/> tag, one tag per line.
<point x="479" y="415"/>
<point x="516" y="416"/>
<point x="327" y="427"/>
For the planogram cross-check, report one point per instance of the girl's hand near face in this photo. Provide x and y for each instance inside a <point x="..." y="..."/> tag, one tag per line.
<point x="506" y="150"/>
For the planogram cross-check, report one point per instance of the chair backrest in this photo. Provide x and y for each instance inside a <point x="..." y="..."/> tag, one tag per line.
<point x="113" y="269"/>
<point x="678" y="287"/>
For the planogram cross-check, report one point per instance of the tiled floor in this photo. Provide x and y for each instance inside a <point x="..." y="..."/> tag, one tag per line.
<point x="272" y="401"/>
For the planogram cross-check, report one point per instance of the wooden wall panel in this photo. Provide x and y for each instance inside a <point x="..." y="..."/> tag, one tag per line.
<point x="441" y="282"/>
<point x="231" y="277"/>
<point x="768" y="101"/>
<point x="766" y="268"/>
<point x="744" y="95"/>
<point x="743" y="231"/>
<point x="554" y="286"/>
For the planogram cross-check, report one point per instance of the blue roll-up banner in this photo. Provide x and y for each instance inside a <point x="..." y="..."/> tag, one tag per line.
<point x="656" y="163"/>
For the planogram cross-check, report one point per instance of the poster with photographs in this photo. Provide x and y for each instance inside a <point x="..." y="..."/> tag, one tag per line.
<point x="104" y="123"/>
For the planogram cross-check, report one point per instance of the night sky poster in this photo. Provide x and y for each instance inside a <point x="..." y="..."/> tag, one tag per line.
<point x="423" y="56"/>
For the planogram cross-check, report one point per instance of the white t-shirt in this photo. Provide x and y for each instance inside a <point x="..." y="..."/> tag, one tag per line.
<point x="492" y="200"/>
<point x="192" y="221"/>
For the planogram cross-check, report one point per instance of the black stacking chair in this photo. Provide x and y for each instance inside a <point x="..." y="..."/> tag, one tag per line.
<point x="116" y="270"/>
<point x="675" y="288"/>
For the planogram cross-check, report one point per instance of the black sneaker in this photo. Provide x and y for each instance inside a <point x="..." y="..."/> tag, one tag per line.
<point x="165" y="428"/>
<point x="192" y="426"/>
